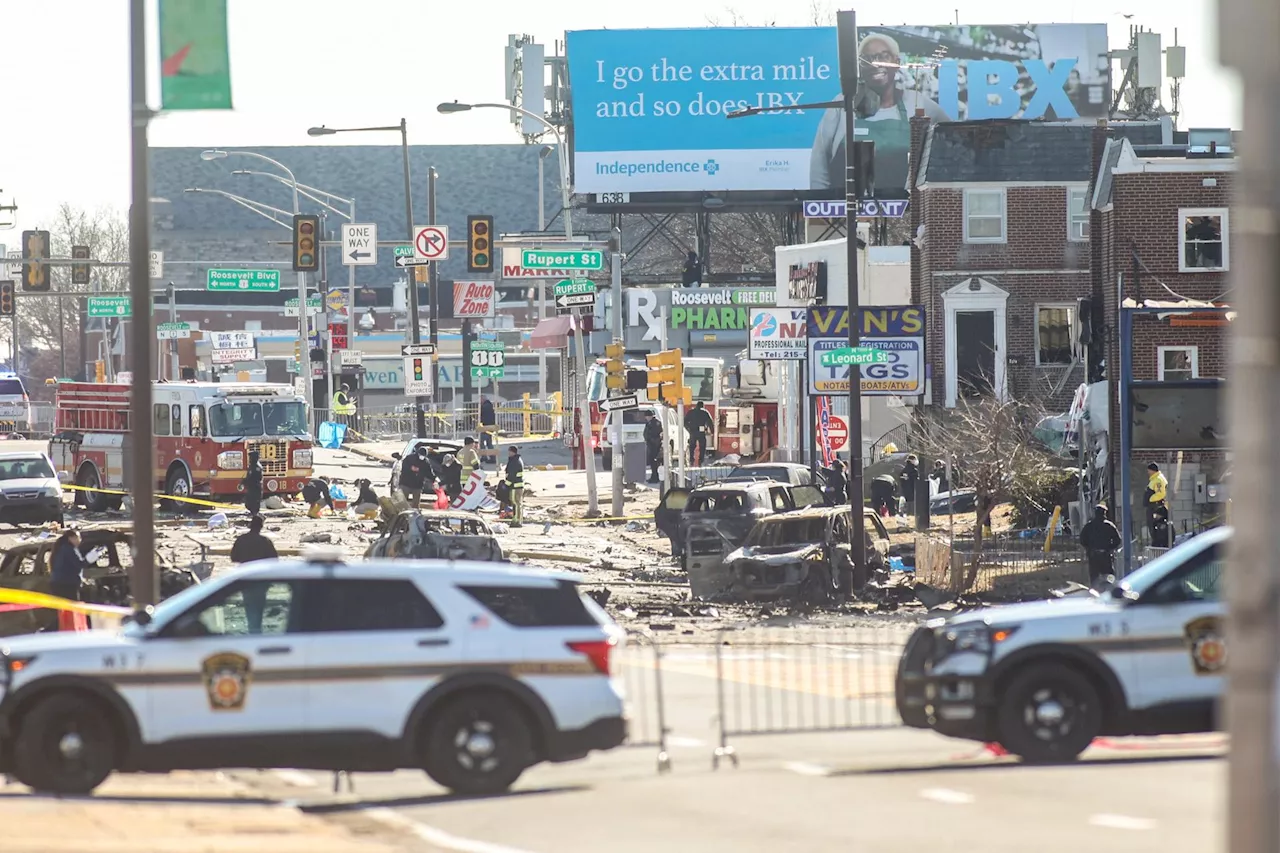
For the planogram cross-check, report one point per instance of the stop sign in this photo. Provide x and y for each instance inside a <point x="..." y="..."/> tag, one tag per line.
<point x="837" y="432"/>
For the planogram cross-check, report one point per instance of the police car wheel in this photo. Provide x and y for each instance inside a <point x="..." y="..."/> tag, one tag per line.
<point x="1050" y="712"/>
<point x="478" y="743"/>
<point x="65" y="745"/>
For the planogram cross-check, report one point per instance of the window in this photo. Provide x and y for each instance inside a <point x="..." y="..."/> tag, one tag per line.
<point x="558" y="606"/>
<point x="701" y="380"/>
<point x="175" y="419"/>
<point x="37" y="467"/>
<point x="1199" y="579"/>
<point x="1055" y="334"/>
<point x="984" y="216"/>
<point x="1078" y="213"/>
<point x="366" y="605"/>
<point x="196" y="413"/>
<point x="161" y="419"/>
<point x="1203" y="239"/>
<point x="250" y="607"/>
<point x="781" y="500"/>
<point x="1177" y="364"/>
<point x="12" y="388"/>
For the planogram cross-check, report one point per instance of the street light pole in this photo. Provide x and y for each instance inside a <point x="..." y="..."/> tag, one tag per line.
<point x="433" y="323"/>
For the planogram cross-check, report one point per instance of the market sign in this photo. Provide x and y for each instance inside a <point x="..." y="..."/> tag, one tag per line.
<point x="898" y="330"/>
<point x="778" y="333"/>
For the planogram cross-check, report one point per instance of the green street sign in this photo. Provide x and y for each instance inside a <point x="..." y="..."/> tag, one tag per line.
<point x="194" y="55"/>
<point x="291" y="306"/>
<point x="846" y="356"/>
<point x="110" y="306"/>
<point x="549" y="259"/>
<point x="488" y="359"/>
<point x="573" y="286"/>
<point x="254" y="281"/>
<point x="402" y="252"/>
<point x="172" y="331"/>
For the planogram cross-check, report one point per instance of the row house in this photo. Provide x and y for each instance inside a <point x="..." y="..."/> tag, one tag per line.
<point x="1001" y="256"/>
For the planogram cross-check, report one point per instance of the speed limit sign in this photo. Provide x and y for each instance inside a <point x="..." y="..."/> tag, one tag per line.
<point x="488" y="359"/>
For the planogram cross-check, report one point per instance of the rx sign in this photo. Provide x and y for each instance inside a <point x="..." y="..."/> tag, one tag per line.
<point x="431" y="242"/>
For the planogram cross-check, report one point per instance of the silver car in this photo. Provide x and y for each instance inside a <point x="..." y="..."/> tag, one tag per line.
<point x="30" y="492"/>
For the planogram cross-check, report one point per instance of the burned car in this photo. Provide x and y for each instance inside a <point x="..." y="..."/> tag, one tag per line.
<point x="715" y="518"/>
<point x="27" y="566"/>
<point x="805" y="555"/>
<point x="783" y="472"/>
<point x="443" y="535"/>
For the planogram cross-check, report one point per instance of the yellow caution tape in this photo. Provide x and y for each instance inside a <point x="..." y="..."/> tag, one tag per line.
<point x="53" y="602"/>
<point x="195" y="501"/>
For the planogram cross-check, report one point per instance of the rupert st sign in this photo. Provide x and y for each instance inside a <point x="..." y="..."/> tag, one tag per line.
<point x="897" y="330"/>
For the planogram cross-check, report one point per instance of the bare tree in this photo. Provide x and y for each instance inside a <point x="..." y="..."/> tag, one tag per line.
<point x="994" y="453"/>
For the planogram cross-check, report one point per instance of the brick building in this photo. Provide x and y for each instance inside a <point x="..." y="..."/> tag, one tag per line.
<point x="1163" y="220"/>
<point x="1001" y="219"/>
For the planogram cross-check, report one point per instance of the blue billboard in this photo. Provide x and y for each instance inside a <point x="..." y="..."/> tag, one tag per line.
<point x="649" y="106"/>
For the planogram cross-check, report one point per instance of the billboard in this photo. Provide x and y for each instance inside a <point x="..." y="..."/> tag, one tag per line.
<point x="649" y="106"/>
<point x="899" y="329"/>
<point x="474" y="299"/>
<point x="694" y="315"/>
<point x="777" y="333"/>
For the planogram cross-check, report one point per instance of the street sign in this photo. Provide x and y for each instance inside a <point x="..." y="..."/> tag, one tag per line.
<point x="845" y="356"/>
<point x="417" y="349"/>
<point x="155" y="265"/>
<point x="239" y="339"/>
<point x="336" y="299"/>
<point x="402" y="251"/>
<point x="403" y="262"/>
<point x="351" y="358"/>
<point x="431" y="242"/>
<point x="570" y="286"/>
<point x="488" y="359"/>
<point x="256" y="281"/>
<point x="837" y="432"/>
<point x="109" y="306"/>
<point x="552" y="259"/>
<point x="231" y="356"/>
<point x="417" y="376"/>
<point x="172" y="331"/>
<point x="313" y="306"/>
<point x="359" y="244"/>
<point x="577" y="300"/>
<point x="15" y="269"/>
<point x="620" y="404"/>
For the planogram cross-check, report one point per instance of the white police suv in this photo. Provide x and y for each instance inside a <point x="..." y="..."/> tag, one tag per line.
<point x="470" y="671"/>
<point x="1043" y="679"/>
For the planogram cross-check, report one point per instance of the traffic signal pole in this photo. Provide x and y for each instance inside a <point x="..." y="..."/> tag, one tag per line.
<point x="615" y="281"/>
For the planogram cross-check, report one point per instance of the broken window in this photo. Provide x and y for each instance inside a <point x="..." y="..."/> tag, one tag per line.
<point x="984" y="216"/>
<point x="1078" y="213"/>
<point x="1178" y="364"/>
<point x="1055" y="338"/>
<point x="1203" y="239"/>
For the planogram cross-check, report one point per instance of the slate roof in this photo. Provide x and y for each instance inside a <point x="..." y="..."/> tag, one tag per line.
<point x="500" y="180"/>
<point x="1001" y="150"/>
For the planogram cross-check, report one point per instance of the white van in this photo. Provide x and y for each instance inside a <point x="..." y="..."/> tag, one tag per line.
<point x="15" y="406"/>
<point x="633" y="421"/>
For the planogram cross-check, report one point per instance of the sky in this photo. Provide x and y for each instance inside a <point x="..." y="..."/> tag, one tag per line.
<point x="64" y="73"/>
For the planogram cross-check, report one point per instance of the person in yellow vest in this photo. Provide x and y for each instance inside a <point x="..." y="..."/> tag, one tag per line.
<point x="344" y="409"/>
<point x="515" y="482"/>
<point x="1157" y="505"/>
<point x="469" y="459"/>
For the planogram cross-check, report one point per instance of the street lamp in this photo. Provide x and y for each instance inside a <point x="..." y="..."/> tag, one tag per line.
<point x="218" y="154"/>
<point x="414" y="324"/>
<point x="248" y="203"/>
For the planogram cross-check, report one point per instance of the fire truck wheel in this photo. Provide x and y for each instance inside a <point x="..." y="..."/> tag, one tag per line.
<point x="177" y="484"/>
<point x="89" y="479"/>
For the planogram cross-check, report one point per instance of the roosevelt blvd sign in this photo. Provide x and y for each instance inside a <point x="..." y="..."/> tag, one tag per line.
<point x="110" y="306"/>
<point x="620" y="404"/>
<point x="550" y="259"/>
<point x="257" y="281"/>
<point x="846" y="356"/>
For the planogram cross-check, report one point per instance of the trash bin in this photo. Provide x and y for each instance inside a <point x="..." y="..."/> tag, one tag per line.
<point x="634" y="467"/>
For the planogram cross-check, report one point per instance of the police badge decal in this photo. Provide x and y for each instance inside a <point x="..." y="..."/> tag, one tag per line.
<point x="226" y="679"/>
<point x="1208" y="648"/>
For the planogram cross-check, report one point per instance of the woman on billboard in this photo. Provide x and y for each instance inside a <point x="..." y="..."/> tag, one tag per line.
<point x="884" y="110"/>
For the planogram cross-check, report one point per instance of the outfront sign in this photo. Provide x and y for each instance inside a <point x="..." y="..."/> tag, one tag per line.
<point x="868" y="209"/>
<point x="899" y="330"/>
<point x="778" y="333"/>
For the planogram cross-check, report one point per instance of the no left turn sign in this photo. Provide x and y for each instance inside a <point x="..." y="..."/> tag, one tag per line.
<point x="431" y="242"/>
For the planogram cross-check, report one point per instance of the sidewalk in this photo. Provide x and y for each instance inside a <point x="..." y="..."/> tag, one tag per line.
<point x="175" y="813"/>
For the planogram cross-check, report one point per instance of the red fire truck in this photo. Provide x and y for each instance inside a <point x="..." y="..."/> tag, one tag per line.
<point x="203" y="432"/>
<point x="704" y="376"/>
<point x="748" y="420"/>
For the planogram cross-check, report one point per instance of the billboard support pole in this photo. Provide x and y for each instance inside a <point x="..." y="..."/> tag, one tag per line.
<point x="615" y="292"/>
<point x="847" y="33"/>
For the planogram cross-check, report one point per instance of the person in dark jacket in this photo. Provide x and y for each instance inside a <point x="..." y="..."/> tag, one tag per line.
<point x="515" y="481"/>
<point x="1099" y="539"/>
<point x="908" y="479"/>
<point x="698" y="424"/>
<point x="253" y="484"/>
<point x="837" y="490"/>
<point x="652" y="444"/>
<point x="451" y="476"/>
<point x="253" y="545"/>
<point x="939" y="475"/>
<point x="488" y="426"/>
<point x="316" y="493"/>
<point x="414" y="470"/>
<point x="67" y="570"/>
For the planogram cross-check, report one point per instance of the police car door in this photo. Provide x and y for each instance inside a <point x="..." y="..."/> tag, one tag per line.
<point x="231" y="665"/>
<point x="1180" y="655"/>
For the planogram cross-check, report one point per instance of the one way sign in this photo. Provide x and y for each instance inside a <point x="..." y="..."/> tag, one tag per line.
<point x="359" y="244"/>
<point x="620" y="404"/>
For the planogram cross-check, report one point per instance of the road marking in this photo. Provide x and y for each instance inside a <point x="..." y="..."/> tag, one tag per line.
<point x="948" y="796"/>
<point x="685" y="742"/>
<point x="804" y="768"/>
<point x="439" y="837"/>
<point x="1120" y="821"/>
<point x="296" y="778"/>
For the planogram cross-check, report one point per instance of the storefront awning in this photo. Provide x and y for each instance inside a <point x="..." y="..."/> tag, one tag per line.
<point x="551" y="333"/>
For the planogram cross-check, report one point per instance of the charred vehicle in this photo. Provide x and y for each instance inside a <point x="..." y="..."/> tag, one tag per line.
<point x="806" y="555"/>
<point x="28" y="566"/>
<point x="783" y="472"/>
<point x="437" y="535"/>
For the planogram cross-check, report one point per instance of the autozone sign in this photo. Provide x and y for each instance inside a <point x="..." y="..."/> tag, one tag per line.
<point x="474" y="299"/>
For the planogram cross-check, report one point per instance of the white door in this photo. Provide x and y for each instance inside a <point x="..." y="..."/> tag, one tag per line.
<point x="232" y="665"/>
<point x="374" y="648"/>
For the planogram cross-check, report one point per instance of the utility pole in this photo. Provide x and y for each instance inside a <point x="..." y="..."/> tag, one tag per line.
<point x="433" y="278"/>
<point x="415" y="323"/>
<point x="615" y="272"/>
<point x="1247" y="32"/>
<point x="173" y="344"/>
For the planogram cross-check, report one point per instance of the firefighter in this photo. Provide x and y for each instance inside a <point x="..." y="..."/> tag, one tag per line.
<point x="316" y="493"/>
<point x="1156" y="501"/>
<point x="698" y="424"/>
<point x="653" y="444"/>
<point x="468" y="458"/>
<point x="515" y="482"/>
<point x="344" y="409"/>
<point x="253" y="484"/>
<point x="1099" y="539"/>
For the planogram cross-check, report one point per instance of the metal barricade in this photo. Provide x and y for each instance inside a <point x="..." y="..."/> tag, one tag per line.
<point x="640" y="673"/>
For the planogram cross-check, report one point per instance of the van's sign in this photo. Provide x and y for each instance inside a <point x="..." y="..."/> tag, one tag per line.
<point x="898" y="330"/>
<point x="778" y="333"/>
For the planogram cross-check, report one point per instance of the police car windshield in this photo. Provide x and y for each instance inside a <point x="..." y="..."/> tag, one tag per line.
<point x="1152" y="573"/>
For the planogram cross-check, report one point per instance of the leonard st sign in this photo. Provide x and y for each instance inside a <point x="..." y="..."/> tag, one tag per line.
<point x="897" y="329"/>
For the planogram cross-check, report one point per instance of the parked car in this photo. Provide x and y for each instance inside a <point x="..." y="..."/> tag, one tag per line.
<point x="633" y="421"/>
<point x="30" y="492"/>
<point x="807" y="555"/>
<point x="15" y="406"/>
<point x="783" y="472"/>
<point x="1147" y="656"/>
<point x="444" y="445"/>
<point x="437" y="535"/>
<point x="472" y="672"/>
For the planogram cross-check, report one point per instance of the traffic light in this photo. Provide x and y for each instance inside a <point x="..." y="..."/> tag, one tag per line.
<point x="666" y="377"/>
<point x="615" y="378"/>
<point x="306" y="242"/>
<point x="99" y="372"/>
<point x="297" y="355"/>
<point x="80" y="272"/>
<point x="419" y="369"/>
<point x="6" y="299"/>
<point x="35" y="246"/>
<point x="479" y="244"/>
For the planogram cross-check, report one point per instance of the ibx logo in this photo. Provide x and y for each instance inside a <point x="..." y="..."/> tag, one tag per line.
<point x="711" y="167"/>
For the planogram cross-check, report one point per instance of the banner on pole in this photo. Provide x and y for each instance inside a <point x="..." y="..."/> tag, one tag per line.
<point x="824" y="427"/>
<point x="195" y="62"/>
